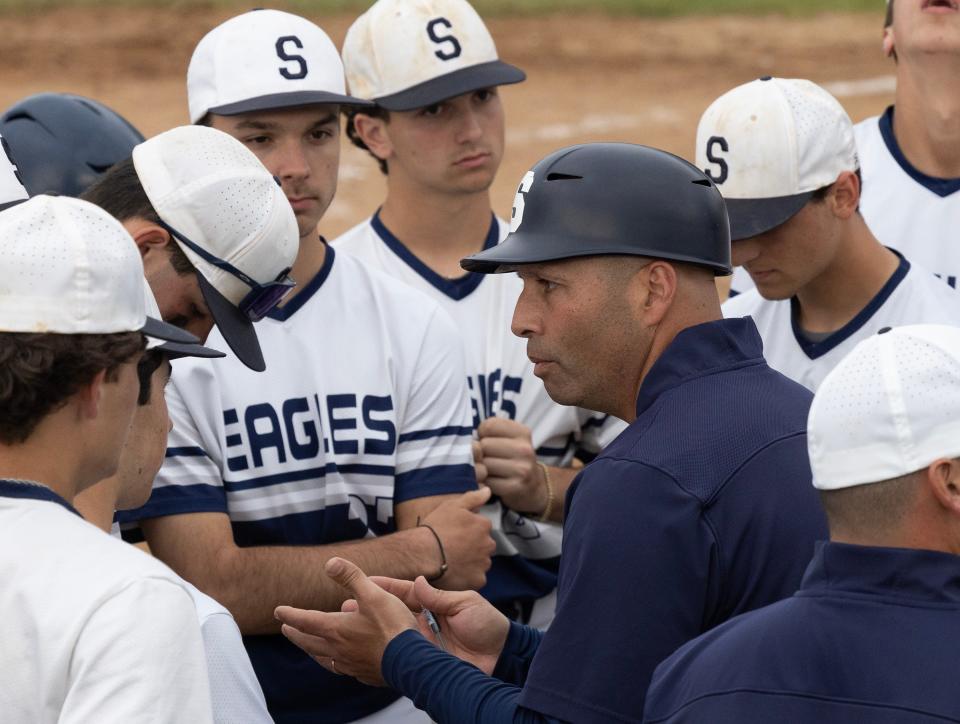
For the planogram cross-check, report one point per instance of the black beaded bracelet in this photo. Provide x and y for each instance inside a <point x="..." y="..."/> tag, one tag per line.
<point x="443" y="555"/>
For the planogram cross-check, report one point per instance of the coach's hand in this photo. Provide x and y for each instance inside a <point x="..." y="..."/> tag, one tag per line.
<point x="351" y="642"/>
<point x="511" y="465"/>
<point x="465" y="536"/>
<point x="472" y="629"/>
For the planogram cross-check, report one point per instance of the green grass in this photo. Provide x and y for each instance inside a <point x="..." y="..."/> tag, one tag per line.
<point x="506" y="7"/>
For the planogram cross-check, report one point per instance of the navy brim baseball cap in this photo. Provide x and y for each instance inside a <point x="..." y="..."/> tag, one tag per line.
<point x="173" y="350"/>
<point x="234" y="325"/>
<point x="751" y="217"/>
<point x="465" y="80"/>
<point x="294" y="99"/>
<point x="167" y="332"/>
<point x="10" y="204"/>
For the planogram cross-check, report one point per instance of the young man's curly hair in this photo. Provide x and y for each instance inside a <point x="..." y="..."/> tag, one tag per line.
<point x="39" y="373"/>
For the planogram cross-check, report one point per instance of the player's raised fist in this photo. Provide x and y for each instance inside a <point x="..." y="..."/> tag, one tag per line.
<point x="511" y="465"/>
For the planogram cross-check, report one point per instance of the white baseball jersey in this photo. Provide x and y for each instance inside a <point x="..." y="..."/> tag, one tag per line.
<point x="234" y="690"/>
<point x="501" y="382"/>
<point x="911" y="296"/>
<point x="363" y="405"/>
<point x="93" y="629"/>
<point x="905" y="209"/>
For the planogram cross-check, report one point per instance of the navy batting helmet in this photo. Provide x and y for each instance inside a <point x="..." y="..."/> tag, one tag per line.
<point x="64" y="142"/>
<point x="613" y="198"/>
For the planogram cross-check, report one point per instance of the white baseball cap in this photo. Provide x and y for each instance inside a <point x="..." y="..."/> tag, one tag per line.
<point x="407" y="54"/>
<point x="232" y="220"/>
<point x="71" y="268"/>
<point x="12" y="191"/>
<point x="173" y="350"/>
<point x="769" y="145"/>
<point x="261" y="60"/>
<point x="889" y="408"/>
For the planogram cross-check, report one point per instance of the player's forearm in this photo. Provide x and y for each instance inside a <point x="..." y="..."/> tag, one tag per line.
<point x="252" y="581"/>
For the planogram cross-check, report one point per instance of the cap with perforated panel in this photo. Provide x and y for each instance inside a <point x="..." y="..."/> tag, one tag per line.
<point x="889" y="408"/>
<point x="769" y="145"/>
<point x="71" y="268"/>
<point x="229" y="216"/>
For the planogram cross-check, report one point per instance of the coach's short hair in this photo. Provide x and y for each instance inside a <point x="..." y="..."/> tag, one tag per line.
<point x="40" y="372"/>
<point x="120" y="193"/>
<point x="351" y="113"/>
<point x="888" y="19"/>
<point x="872" y="509"/>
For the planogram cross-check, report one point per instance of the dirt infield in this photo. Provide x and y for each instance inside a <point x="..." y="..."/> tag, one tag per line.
<point x="590" y="77"/>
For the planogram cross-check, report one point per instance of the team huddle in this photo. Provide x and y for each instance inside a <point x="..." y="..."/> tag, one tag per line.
<point x="356" y="463"/>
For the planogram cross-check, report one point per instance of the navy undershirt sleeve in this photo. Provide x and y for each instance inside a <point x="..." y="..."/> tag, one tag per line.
<point x="451" y="690"/>
<point x="518" y="650"/>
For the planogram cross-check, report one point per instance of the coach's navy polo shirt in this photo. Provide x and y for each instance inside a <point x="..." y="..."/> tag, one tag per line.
<point x="872" y="636"/>
<point x="701" y="510"/>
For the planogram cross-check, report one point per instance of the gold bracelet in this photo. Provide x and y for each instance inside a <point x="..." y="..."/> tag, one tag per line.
<point x="551" y="498"/>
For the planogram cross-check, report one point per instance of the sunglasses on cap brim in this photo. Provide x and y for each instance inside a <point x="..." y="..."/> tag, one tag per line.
<point x="261" y="298"/>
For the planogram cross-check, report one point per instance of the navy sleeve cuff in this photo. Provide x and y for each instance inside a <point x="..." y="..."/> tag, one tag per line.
<point x="449" y="689"/>
<point x="518" y="650"/>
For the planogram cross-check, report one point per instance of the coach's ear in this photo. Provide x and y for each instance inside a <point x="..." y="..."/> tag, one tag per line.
<point x="373" y="132"/>
<point x="147" y="235"/>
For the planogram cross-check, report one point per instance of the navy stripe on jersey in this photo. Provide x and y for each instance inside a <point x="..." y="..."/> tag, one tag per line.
<point x="177" y="499"/>
<point x="265" y="481"/>
<point x="595" y="422"/>
<point x="813" y="350"/>
<point x="303" y="296"/>
<point x="186" y="452"/>
<point x="334" y="524"/>
<point x="457" y="288"/>
<point x="430" y="434"/>
<point x="940" y="186"/>
<point x="438" y="480"/>
<point x="29" y="491"/>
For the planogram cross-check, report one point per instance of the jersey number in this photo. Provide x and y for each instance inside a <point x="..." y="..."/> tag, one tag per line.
<point x="713" y="158"/>
<point x="285" y="71"/>
<point x="454" y="50"/>
<point x="518" y="202"/>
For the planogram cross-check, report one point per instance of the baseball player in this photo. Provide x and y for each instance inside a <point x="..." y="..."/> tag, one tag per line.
<point x="871" y="634"/>
<point x="169" y="171"/>
<point x="909" y="155"/>
<point x="206" y="261"/>
<point x="909" y="162"/>
<point x="678" y="524"/>
<point x="358" y="431"/>
<point x="93" y="630"/>
<point x="438" y="132"/>
<point x="65" y="142"/>
<point x="234" y="690"/>
<point x="782" y="153"/>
